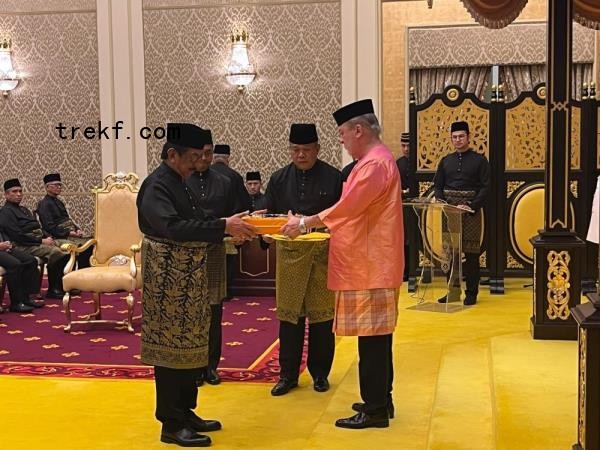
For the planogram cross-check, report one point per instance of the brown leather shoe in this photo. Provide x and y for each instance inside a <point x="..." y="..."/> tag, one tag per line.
<point x="185" y="438"/>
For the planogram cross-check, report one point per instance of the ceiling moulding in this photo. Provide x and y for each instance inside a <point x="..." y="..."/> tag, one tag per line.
<point x="176" y="4"/>
<point x="473" y="45"/>
<point x="46" y="6"/>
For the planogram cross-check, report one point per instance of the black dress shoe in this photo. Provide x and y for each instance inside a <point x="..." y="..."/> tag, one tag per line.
<point x="359" y="407"/>
<point x="34" y="303"/>
<point x="321" y="384"/>
<point x="185" y="438"/>
<point x="364" y="420"/>
<point x="55" y="293"/>
<point x="199" y="424"/>
<point x="470" y="300"/>
<point x="283" y="386"/>
<point x="21" y="307"/>
<point x="200" y="380"/>
<point x="212" y="377"/>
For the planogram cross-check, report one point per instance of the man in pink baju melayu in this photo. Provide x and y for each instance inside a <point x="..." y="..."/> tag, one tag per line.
<point x="366" y="258"/>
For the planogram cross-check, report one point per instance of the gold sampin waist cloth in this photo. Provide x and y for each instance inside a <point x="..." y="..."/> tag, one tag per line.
<point x="471" y="222"/>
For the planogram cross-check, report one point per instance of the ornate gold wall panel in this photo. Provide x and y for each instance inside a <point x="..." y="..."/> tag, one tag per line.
<point x="559" y="276"/>
<point x="433" y="131"/>
<point x="525" y="136"/>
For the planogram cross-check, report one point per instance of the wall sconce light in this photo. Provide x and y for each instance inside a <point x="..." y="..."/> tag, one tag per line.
<point x="240" y="72"/>
<point x="8" y="77"/>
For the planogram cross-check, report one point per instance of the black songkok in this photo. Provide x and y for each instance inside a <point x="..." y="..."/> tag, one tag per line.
<point x="359" y="108"/>
<point x="13" y="182"/>
<point x="188" y="135"/>
<point x="459" y="126"/>
<point x="51" y="177"/>
<point x="303" y="133"/>
<point x="405" y="138"/>
<point x="253" y="176"/>
<point x="222" y="149"/>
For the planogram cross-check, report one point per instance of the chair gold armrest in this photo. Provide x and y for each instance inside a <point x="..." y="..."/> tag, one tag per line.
<point x="78" y="249"/>
<point x="135" y="248"/>
<point x="74" y="250"/>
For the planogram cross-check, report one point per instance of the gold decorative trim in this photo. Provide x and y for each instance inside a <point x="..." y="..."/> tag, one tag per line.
<point x="541" y="92"/>
<point x="573" y="187"/>
<point x="452" y="94"/>
<point x="575" y="137"/>
<point x="582" y="385"/>
<point x="423" y="260"/>
<point x="512" y="263"/>
<point x="558" y="285"/>
<point x="483" y="260"/>
<point x="512" y="186"/>
<point x="424" y="187"/>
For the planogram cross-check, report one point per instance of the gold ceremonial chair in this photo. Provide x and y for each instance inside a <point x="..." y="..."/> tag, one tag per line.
<point x="115" y="263"/>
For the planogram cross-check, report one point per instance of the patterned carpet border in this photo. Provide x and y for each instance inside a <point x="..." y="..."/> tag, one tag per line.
<point x="33" y="344"/>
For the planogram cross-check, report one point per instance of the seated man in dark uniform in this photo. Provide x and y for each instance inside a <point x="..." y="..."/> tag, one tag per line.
<point x="56" y="221"/>
<point x="22" y="276"/>
<point x="26" y="234"/>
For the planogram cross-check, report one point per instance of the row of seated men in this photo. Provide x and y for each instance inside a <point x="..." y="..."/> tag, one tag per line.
<point x="25" y="239"/>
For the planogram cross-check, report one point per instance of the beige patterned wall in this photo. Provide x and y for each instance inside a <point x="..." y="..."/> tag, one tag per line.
<point x="58" y="54"/>
<point x="397" y="16"/>
<point x="296" y="50"/>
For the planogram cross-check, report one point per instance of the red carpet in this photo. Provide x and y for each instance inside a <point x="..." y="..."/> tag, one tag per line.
<point x="35" y="343"/>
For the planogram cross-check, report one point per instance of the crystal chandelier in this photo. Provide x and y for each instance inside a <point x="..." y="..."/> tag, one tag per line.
<point x="240" y="72"/>
<point x="8" y="76"/>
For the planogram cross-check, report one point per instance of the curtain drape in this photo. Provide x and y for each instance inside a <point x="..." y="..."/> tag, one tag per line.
<point x="522" y="78"/>
<point x="494" y="13"/>
<point x="587" y="13"/>
<point x="499" y="13"/>
<point x="431" y="81"/>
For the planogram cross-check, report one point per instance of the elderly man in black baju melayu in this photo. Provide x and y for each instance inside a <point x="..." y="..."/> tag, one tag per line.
<point x="26" y="234"/>
<point x="56" y="221"/>
<point x="176" y="311"/>
<point x="306" y="186"/>
<point x="217" y="198"/>
<point x="463" y="179"/>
